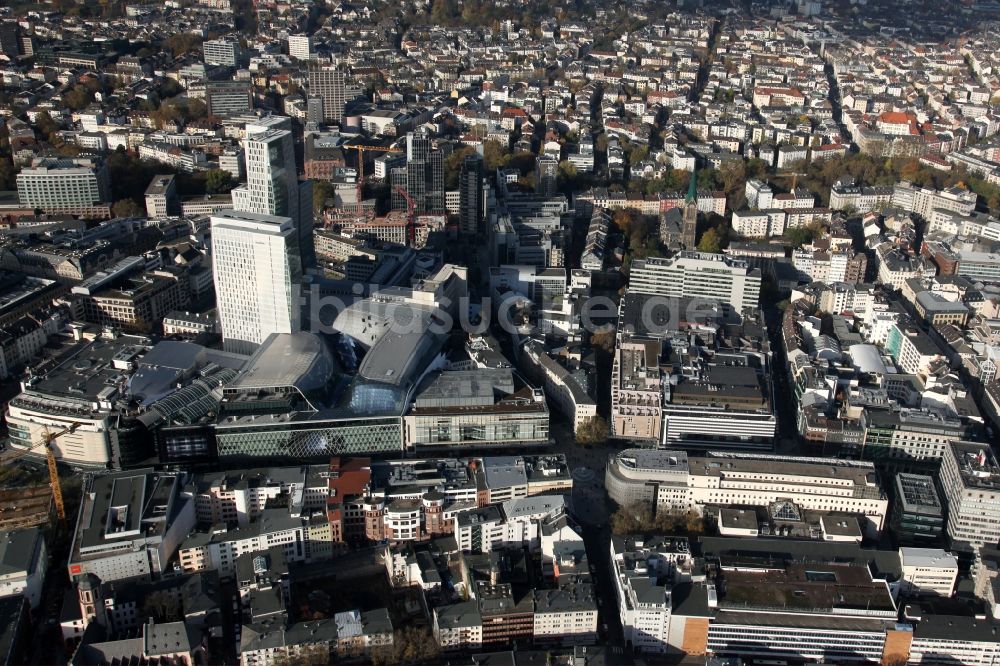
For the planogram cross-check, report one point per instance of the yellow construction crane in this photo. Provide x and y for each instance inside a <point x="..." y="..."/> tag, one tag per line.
<point x="50" y="459"/>
<point x="362" y="149"/>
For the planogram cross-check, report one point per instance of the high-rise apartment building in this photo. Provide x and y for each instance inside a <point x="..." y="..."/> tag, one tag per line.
<point x="422" y="177"/>
<point x="225" y="51"/>
<point x="300" y="47"/>
<point x="273" y="186"/>
<point x="257" y="270"/>
<point x="330" y="85"/>
<point x="470" y="194"/>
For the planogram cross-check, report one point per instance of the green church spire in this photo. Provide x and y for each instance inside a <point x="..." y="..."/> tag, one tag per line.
<point x="692" y="188"/>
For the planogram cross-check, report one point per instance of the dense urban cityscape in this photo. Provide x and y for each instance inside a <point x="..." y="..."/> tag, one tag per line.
<point x="574" y="333"/>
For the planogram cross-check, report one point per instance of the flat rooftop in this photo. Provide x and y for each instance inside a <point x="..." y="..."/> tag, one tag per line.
<point x="814" y="471"/>
<point x="824" y="587"/>
<point x="128" y="507"/>
<point x="977" y="464"/>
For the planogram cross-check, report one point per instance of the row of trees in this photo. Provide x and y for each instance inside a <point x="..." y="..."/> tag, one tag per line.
<point x="411" y="645"/>
<point x="638" y="518"/>
<point x="819" y="176"/>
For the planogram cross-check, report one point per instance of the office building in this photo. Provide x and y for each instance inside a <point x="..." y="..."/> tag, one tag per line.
<point x="819" y="602"/>
<point x="636" y="391"/>
<point x="471" y="206"/>
<point x="130" y="525"/>
<point x="330" y="85"/>
<point x="909" y="434"/>
<point x="273" y="186"/>
<point x="565" y="616"/>
<point x="716" y="399"/>
<point x="546" y="175"/>
<point x="64" y="185"/>
<point x="674" y="481"/>
<point x="567" y="384"/>
<point x="82" y="390"/>
<point x="231" y="160"/>
<point x="225" y="51"/>
<point x="917" y="514"/>
<point x="23" y="563"/>
<point x="927" y="571"/>
<point x="476" y="409"/>
<point x="970" y="481"/>
<point x="257" y="271"/>
<point x="979" y="266"/>
<point x="228" y="98"/>
<point x="698" y="275"/>
<point x="422" y="177"/>
<point x="131" y="300"/>
<point x="161" y="197"/>
<point x="516" y="523"/>
<point x="644" y="572"/>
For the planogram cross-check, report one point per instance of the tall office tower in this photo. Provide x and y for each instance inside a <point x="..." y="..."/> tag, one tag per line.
<point x="9" y="39"/>
<point x="257" y="271"/>
<point x="689" y="229"/>
<point x="470" y="194"/>
<point x="330" y="85"/>
<point x="161" y="197"/>
<point x="273" y="186"/>
<point x="546" y="173"/>
<point x="314" y="110"/>
<point x="423" y="175"/>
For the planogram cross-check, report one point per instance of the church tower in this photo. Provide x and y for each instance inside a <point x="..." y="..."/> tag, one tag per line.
<point x="689" y="233"/>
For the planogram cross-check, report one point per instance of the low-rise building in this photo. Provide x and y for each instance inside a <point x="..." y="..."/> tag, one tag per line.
<point x="481" y="408"/>
<point x="917" y="513"/>
<point x="130" y="525"/>
<point x="928" y="571"/>
<point x="23" y="564"/>
<point x="565" y="616"/>
<point x="674" y="481"/>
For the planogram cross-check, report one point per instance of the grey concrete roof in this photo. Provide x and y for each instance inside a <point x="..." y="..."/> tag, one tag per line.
<point x="17" y="550"/>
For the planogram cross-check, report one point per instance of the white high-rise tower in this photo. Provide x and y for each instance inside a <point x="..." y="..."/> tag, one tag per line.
<point x="257" y="272"/>
<point x="273" y="186"/>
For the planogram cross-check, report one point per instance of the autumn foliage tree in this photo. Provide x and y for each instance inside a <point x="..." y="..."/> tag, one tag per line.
<point x="638" y="518"/>
<point x="410" y="645"/>
<point x="593" y="431"/>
